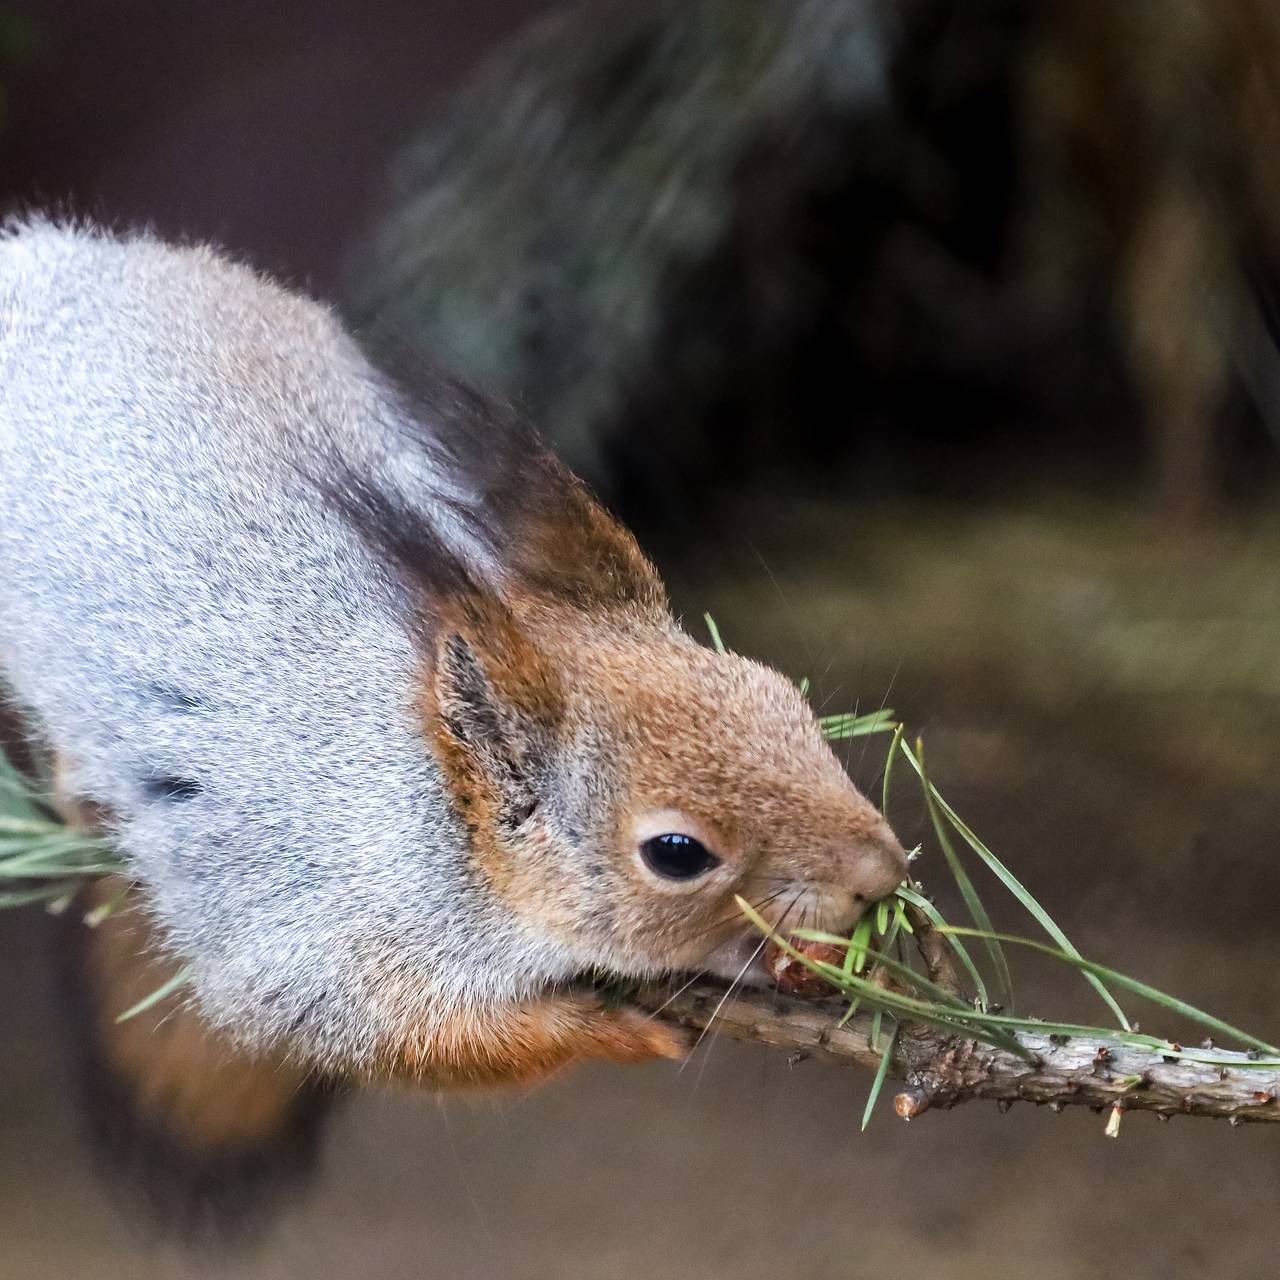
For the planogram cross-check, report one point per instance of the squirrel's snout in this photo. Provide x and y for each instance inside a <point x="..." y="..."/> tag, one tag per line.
<point x="860" y="874"/>
<point x="880" y="866"/>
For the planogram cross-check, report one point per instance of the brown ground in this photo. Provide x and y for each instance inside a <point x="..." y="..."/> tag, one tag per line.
<point x="1103" y="708"/>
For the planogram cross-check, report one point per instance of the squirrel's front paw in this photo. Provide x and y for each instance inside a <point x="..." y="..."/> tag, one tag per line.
<point x="630" y="1035"/>
<point x="519" y="1043"/>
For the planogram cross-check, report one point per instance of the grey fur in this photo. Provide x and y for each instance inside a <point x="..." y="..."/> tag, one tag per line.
<point x="221" y="660"/>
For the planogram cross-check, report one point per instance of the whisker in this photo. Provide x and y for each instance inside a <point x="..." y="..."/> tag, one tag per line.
<point x="837" y="646"/>
<point x="822" y="706"/>
<point x="787" y="611"/>
<point x="857" y="701"/>
<point x="736" y="916"/>
<point x="671" y="999"/>
<point x="742" y="973"/>
<point x="848" y="743"/>
<point x="837" y="643"/>
<point x="876" y="777"/>
<point x="722" y="923"/>
<point x="884" y="702"/>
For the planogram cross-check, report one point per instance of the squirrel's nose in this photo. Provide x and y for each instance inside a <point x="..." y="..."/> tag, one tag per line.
<point x="881" y="865"/>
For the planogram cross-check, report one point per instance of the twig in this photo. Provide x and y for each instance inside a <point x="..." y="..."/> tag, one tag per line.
<point x="939" y="1071"/>
<point x="939" y="959"/>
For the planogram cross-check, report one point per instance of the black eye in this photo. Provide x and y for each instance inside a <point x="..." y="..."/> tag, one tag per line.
<point x="677" y="857"/>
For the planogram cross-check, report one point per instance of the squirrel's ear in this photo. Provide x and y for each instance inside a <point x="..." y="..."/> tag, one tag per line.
<point x="565" y="545"/>
<point x="497" y="710"/>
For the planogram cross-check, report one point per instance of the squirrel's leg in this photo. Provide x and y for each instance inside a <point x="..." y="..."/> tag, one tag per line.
<point x="519" y="1043"/>
<point x="204" y="1130"/>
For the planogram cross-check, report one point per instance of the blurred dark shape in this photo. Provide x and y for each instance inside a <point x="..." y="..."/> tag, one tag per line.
<point x="703" y="239"/>
<point x="209" y="1157"/>
<point x="602" y="223"/>
<point x="19" y="41"/>
<point x="1154" y="202"/>
<point x="259" y="127"/>
<point x="190" y="1135"/>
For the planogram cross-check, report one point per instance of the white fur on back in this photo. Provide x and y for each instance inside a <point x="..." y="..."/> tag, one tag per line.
<point x="177" y="602"/>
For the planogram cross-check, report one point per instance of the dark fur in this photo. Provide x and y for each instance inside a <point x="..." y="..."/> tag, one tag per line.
<point x="531" y="512"/>
<point x="210" y="1199"/>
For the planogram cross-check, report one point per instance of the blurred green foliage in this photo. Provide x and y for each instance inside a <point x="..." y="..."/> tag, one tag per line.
<point x="20" y="41"/>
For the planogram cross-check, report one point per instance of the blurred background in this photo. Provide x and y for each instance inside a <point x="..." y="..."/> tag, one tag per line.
<point x="929" y="344"/>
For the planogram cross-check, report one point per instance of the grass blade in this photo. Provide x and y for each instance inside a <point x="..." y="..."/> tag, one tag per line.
<point x="838" y="728"/>
<point x="1172" y="1003"/>
<point x="716" y="643"/>
<point x="882" y="1072"/>
<point x="11" y="826"/>
<point x="166" y="988"/>
<point x="972" y="902"/>
<point x="23" y="897"/>
<point x="962" y="952"/>
<point x="1013" y="884"/>
<point x="968" y="1024"/>
<point x="888" y="770"/>
<point x="905" y="971"/>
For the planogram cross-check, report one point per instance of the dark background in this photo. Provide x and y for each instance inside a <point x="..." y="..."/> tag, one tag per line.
<point x="265" y="127"/>
<point x="987" y="460"/>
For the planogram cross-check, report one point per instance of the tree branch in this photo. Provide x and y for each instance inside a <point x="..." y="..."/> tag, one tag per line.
<point x="939" y="1071"/>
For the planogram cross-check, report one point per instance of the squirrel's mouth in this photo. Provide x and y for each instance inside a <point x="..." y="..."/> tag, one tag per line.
<point x="741" y="957"/>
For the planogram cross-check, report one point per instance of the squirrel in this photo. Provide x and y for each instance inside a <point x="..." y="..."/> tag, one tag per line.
<point x="389" y="719"/>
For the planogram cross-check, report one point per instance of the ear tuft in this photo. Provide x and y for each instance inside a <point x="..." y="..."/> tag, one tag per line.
<point x="566" y="546"/>
<point x="506" y="490"/>
<point x="466" y="702"/>
<point x="498" y="709"/>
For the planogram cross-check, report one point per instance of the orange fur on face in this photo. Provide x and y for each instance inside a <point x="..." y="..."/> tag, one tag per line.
<point x="724" y="744"/>
<point x="732" y="745"/>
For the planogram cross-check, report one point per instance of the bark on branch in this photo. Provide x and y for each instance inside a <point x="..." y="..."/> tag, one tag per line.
<point x="940" y="1071"/>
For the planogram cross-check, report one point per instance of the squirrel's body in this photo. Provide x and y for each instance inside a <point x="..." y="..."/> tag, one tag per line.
<point x="389" y="719"/>
<point x="212" y="651"/>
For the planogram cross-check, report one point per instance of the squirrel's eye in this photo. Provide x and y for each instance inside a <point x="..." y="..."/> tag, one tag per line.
<point x="677" y="857"/>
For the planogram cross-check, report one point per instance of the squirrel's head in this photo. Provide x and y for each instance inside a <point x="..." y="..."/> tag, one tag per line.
<point x="622" y="784"/>
<point x="619" y="783"/>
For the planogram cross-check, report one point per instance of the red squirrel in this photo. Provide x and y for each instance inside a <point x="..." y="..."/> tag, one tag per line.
<point x="390" y="721"/>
